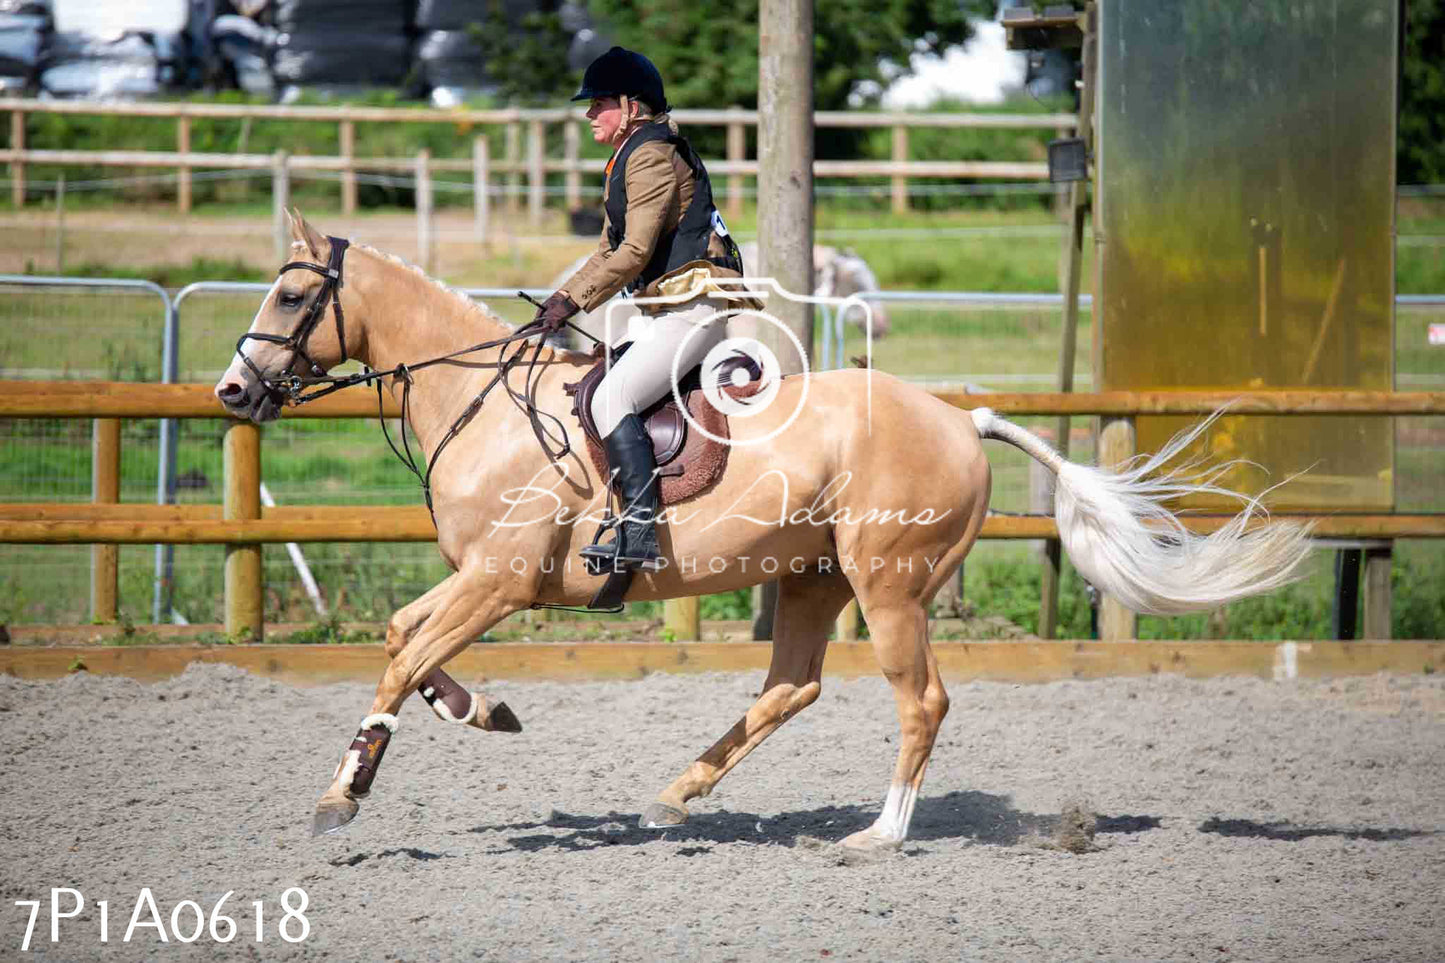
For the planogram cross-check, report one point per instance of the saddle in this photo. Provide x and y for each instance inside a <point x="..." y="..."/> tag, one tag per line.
<point x="687" y="460"/>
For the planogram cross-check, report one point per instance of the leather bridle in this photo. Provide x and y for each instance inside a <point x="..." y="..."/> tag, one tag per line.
<point x="290" y="386"/>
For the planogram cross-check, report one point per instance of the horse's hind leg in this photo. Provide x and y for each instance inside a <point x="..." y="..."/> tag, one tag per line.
<point x="448" y="699"/>
<point x="900" y="641"/>
<point x="807" y="606"/>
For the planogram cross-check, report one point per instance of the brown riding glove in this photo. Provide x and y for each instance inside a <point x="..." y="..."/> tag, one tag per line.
<point x="555" y="312"/>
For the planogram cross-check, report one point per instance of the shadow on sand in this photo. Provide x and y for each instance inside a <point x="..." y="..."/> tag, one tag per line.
<point x="1290" y="833"/>
<point x="976" y="816"/>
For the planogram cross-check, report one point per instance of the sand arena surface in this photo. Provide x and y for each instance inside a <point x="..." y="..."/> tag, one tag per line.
<point x="1236" y="820"/>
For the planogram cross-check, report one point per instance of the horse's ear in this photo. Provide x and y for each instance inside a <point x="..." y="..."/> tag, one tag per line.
<point x="304" y="233"/>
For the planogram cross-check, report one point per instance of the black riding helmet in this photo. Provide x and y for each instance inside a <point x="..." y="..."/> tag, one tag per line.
<point x="620" y="71"/>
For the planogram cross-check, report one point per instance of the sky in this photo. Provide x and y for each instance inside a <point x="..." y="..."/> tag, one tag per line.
<point x="979" y="72"/>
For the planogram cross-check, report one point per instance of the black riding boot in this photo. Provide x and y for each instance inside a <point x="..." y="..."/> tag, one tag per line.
<point x="634" y="543"/>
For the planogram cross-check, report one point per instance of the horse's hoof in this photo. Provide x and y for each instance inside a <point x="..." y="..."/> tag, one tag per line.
<point x="866" y="841"/>
<point x="502" y="719"/>
<point x="661" y="816"/>
<point x="333" y="816"/>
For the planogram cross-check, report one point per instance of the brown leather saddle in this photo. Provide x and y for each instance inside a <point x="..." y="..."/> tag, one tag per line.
<point x="688" y="461"/>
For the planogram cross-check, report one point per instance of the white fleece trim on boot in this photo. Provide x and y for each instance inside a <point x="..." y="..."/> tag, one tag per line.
<point x="444" y="712"/>
<point x="384" y="719"/>
<point x="346" y="770"/>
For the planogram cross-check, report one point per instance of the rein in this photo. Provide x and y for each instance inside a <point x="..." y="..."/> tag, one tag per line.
<point x="292" y="391"/>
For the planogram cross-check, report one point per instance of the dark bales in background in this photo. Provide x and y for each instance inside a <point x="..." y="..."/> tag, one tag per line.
<point x="359" y="42"/>
<point x="270" y="46"/>
<point x="24" y="25"/>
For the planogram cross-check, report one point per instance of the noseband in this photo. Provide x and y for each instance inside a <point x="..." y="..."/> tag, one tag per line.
<point x="296" y="341"/>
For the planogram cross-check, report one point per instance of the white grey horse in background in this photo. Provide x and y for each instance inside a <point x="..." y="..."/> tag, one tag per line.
<point x="836" y="274"/>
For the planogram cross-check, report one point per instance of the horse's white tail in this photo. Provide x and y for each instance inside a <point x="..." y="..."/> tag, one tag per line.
<point x="1128" y="545"/>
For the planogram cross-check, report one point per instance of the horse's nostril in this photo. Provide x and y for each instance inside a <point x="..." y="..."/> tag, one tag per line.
<point x="229" y="390"/>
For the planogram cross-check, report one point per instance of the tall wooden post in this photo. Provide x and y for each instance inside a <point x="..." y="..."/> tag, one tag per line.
<point x="737" y="153"/>
<point x="785" y="192"/>
<point x="536" y="178"/>
<point x="104" y="490"/>
<point x="900" y="181"/>
<point x="481" y="188"/>
<point x="1068" y="348"/>
<point x="1071" y="262"/>
<point x="183" y="172"/>
<point x="242" y="453"/>
<point x="348" y="174"/>
<point x="785" y="167"/>
<point x="425" y="246"/>
<point x="1116" y="446"/>
<point x="17" y="168"/>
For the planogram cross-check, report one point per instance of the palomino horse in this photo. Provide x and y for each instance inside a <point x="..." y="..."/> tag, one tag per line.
<point x="841" y="506"/>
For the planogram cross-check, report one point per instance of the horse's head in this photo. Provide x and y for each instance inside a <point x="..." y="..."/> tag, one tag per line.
<point x="844" y="273"/>
<point x="299" y="330"/>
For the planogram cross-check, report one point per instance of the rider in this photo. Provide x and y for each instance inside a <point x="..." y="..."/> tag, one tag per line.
<point x="661" y="235"/>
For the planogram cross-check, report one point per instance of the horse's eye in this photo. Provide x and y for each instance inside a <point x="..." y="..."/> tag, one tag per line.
<point x="287" y="300"/>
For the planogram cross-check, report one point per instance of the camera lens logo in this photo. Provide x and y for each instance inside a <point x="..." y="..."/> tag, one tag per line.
<point x="746" y="353"/>
<point x="714" y="385"/>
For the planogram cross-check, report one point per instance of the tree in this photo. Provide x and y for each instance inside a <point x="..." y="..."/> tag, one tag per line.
<point x="1420" y="139"/>
<point x="526" y="54"/>
<point x="708" y="55"/>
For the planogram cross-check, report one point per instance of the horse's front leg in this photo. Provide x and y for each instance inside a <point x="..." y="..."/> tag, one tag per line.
<point x="448" y="699"/>
<point x="469" y="604"/>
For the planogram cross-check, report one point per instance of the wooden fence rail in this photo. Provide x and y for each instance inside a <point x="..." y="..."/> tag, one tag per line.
<point x="899" y="169"/>
<point x="117" y="399"/>
<point x="243" y="525"/>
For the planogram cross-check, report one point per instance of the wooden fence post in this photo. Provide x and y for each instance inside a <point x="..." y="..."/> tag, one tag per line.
<point x="348" y="173"/>
<point x="183" y="172"/>
<point x="481" y="188"/>
<point x="244" y="587"/>
<point x="280" y="197"/>
<point x="846" y="629"/>
<point x="104" y="490"/>
<point x="737" y="153"/>
<point x="680" y="616"/>
<point x="60" y="223"/>
<point x="571" y="142"/>
<point x="900" y="181"/>
<point x="17" y="168"/>
<point x="514" y="160"/>
<point x="536" y="179"/>
<point x="1116" y="446"/>
<point x="1072" y="267"/>
<point x="425" y="247"/>
<point x="1378" y="562"/>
